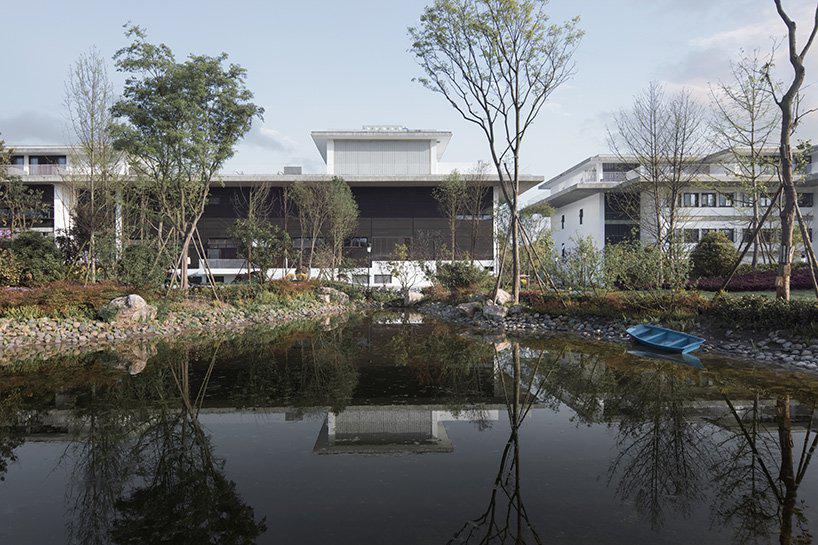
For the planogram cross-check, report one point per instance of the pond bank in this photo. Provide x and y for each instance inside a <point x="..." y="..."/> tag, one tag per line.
<point x="52" y="336"/>
<point x="775" y="348"/>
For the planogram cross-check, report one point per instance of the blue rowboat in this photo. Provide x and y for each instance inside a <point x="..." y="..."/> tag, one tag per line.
<point x="664" y="339"/>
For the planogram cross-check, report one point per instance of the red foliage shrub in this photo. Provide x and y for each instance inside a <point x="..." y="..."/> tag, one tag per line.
<point x="759" y="280"/>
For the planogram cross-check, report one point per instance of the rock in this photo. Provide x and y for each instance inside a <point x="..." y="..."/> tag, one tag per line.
<point x="502" y="297"/>
<point x="469" y="309"/>
<point x="128" y="309"/>
<point x="412" y="298"/>
<point x="336" y="296"/>
<point x="515" y="310"/>
<point x="493" y="311"/>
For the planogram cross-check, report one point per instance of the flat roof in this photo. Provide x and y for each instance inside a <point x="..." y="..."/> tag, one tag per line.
<point x="393" y="133"/>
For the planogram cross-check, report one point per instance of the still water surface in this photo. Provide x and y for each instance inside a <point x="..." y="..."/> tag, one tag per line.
<point x="381" y="429"/>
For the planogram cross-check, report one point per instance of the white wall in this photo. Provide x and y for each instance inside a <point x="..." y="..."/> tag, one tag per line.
<point x="382" y="157"/>
<point x="593" y="223"/>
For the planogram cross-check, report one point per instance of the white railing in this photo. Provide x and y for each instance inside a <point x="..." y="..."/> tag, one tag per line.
<point x="36" y="170"/>
<point x="613" y="176"/>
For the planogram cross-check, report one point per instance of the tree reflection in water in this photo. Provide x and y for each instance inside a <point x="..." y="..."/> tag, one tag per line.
<point x="184" y="496"/>
<point x="752" y="497"/>
<point x="663" y="450"/>
<point x="505" y="519"/>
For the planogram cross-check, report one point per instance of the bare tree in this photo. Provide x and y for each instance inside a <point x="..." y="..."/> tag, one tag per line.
<point x="496" y="62"/>
<point x="94" y="179"/>
<point x="789" y="103"/>
<point x="451" y="199"/>
<point x="475" y="201"/>
<point x="744" y="119"/>
<point x="665" y="137"/>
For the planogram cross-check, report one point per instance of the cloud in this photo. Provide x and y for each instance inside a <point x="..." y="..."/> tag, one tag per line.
<point x="267" y="138"/>
<point x="32" y="127"/>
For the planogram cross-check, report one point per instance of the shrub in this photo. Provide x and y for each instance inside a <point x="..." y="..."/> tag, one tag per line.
<point x="139" y="267"/>
<point x="714" y="255"/>
<point x="763" y="279"/>
<point x="633" y="266"/>
<point x="762" y="312"/>
<point x="61" y="299"/>
<point x="631" y="304"/>
<point x="582" y="266"/>
<point x="9" y="268"/>
<point x="39" y="258"/>
<point x="462" y="276"/>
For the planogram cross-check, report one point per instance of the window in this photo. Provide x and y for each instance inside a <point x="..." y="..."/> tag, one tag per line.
<point x="763" y="201"/>
<point x="690" y="199"/>
<point x="360" y="279"/>
<point x="726" y="200"/>
<point x="709" y="199"/>
<point x="304" y="243"/>
<point x="562" y="222"/>
<point x="805" y="200"/>
<point x="581" y="213"/>
<point x="214" y="200"/>
<point x="691" y="235"/>
<point x="357" y="242"/>
<point x="383" y="279"/>
<point x="729" y="233"/>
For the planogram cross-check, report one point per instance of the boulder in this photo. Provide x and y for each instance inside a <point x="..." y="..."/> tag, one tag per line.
<point x="129" y="309"/>
<point x="502" y="297"/>
<point x="493" y="311"/>
<point x="469" y="309"/>
<point x="515" y="309"/>
<point x="412" y="298"/>
<point x="331" y="295"/>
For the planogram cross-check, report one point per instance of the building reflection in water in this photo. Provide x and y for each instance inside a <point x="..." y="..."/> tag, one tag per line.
<point x="393" y="429"/>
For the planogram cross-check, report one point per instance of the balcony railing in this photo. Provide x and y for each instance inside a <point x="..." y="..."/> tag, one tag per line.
<point x="612" y="176"/>
<point x="36" y="170"/>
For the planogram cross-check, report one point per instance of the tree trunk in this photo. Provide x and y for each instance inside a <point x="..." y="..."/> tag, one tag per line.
<point x="515" y="253"/>
<point x="785" y="250"/>
<point x="786" y="473"/>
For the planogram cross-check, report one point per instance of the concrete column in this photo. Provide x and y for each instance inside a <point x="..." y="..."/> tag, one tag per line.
<point x="433" y="157"/>
<point x="330" y="157"/>
<point x="495" y="245"/>
<point x="63" y="205"/>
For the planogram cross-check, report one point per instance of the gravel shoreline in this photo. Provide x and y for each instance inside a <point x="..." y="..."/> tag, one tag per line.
<point x="775" y="349"/>
<point x="46" y="337"/>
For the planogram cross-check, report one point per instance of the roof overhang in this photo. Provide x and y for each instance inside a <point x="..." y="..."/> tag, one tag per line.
<point x="441" y="138"/>
<point x="578" y="191"/>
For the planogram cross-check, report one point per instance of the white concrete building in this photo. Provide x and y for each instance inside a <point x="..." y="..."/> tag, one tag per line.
<point x="600" y="198"/>
<point x="391" y="170"/>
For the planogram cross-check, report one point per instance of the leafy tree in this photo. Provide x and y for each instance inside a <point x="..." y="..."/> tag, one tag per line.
<point x="262" y="244"/>
<point x="180" y="122"/>
<point x="342" y="218"/>
<point x="496" y="62"/>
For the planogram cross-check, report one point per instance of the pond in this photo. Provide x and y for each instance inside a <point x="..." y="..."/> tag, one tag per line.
<point x="388" y="429"/>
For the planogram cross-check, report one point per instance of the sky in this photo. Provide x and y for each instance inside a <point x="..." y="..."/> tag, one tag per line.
<point x="317" y="65"/>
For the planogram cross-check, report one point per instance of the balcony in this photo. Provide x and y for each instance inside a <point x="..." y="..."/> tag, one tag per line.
<point x="613" y="176"/>
<point x="36" y="170"/>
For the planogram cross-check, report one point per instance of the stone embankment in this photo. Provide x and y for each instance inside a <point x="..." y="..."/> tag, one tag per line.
<point x="51" y="336"/>
<point x="775" y="348"/>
